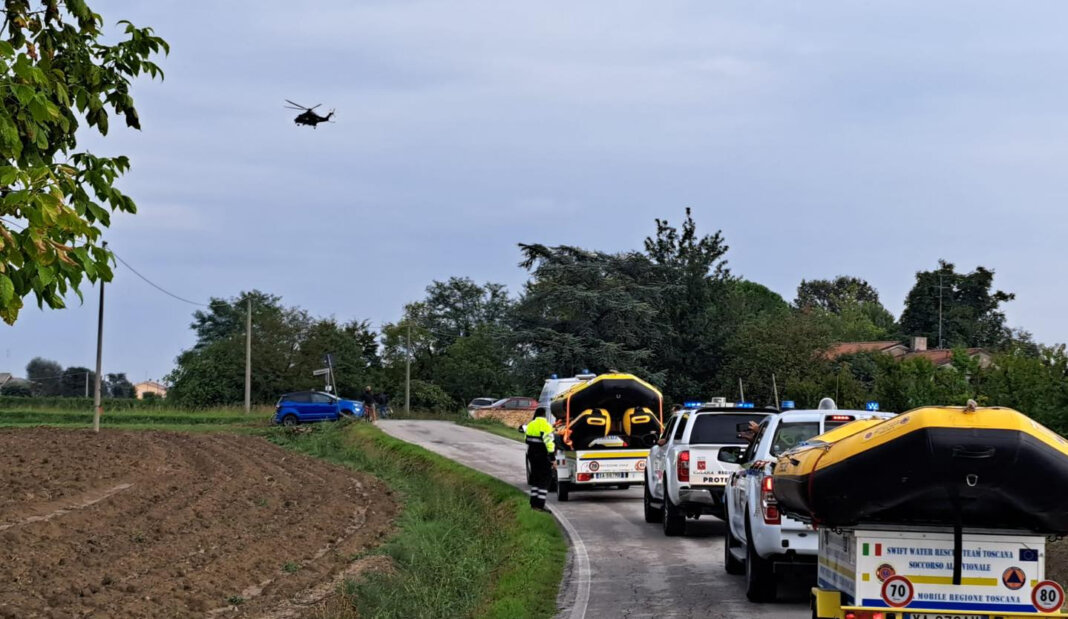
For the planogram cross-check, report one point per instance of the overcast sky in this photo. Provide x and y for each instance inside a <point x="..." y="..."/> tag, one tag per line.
<point x="860" y="138"/>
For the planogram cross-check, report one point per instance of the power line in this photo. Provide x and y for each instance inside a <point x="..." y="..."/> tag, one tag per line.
<point x="155" y="285"/>
<point x="127" y="265"/>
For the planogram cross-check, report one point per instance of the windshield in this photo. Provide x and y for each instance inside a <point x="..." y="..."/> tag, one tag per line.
<point x="721" y="429"/>
<point x="789" y="435"/>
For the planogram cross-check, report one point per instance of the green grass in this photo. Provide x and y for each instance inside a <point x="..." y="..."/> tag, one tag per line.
<point x="492" y="426"/>
<point x="135" y="419"/>
<point x="468" y="545"/>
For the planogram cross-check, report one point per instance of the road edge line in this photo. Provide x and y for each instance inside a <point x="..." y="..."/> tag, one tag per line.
<point x="582" y="565"/>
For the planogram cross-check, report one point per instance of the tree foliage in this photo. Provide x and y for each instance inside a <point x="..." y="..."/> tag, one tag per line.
<point x="58" y="74"/>
<point x="971" y="309"/>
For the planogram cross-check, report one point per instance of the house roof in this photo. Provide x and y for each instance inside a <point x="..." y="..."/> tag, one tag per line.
<point x="4" y="377"/>
<point x="151" y="383"/>
<point x="849" y="348"/>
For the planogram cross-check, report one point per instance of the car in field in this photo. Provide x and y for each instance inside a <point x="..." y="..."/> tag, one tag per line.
<point x="514" y="404"/>
<point x="311" y="406"/>
<point x="684" y="477"/>
<point x="760" y="541"/>
<point x="480" y="403"/>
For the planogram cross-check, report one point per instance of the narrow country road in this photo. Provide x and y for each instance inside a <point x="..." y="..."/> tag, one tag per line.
<point x="619" y="565"/>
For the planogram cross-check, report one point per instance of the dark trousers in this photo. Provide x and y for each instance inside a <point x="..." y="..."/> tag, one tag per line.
<point x="541" y="471"/>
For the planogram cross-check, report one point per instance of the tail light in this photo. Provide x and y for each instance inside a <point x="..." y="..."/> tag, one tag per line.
<point x="682" y="466"/>
<point x="768" y="504"/>
<point x="864" y="614"/>
<point x="584" y="477"/>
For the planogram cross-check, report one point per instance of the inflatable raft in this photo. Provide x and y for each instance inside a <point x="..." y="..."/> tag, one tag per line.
<point x="971" y="467"/>
<point x="610" y="404"/>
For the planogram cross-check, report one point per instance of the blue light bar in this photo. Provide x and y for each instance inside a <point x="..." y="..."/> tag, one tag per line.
<point x="788" y="404"/>
<point x="692" y="404"/>
<point x="745" y="405"/>
<point x="872" y="406"/>
<point x="553" y="376"/>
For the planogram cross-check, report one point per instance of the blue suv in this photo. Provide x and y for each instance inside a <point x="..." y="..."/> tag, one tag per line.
<point x="308" y="406"/>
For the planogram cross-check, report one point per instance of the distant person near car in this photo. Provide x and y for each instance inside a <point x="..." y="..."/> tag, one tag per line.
<point x="369" y="404"/>
<point x="382" y="404"/>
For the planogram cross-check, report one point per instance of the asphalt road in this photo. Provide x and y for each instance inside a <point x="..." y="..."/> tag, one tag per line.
<point x="619" y="565"/>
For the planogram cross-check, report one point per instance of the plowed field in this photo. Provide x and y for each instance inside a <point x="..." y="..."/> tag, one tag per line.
<point x="156" y="524"/>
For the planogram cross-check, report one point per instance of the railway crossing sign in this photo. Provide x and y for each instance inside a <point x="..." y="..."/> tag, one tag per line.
<point x="1047" y="596"/>
<point x="898" y="591"/>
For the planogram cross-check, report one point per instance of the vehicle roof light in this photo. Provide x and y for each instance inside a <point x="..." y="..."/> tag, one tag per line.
<point x="841" y="418"/>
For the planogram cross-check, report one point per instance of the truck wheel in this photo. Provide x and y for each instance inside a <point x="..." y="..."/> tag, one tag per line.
<point x="652" y="514"/>
<point x="563" y="490"/>
<point x="530" y="480"/>
<point x="290" y="420"/>
<point x="733" y="566"/>
<point x="759" y="579"/>
<point x="674" y="520"/>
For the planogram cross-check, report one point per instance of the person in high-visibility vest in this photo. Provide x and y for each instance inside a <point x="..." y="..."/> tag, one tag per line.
<point x="540" y="448"/>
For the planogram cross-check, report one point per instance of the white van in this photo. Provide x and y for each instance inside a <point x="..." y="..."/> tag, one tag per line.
<point x="555" y="386"/>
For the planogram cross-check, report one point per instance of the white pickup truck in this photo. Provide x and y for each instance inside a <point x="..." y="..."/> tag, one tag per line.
<point x="684" y="476"/>
<point x="760" y="541"/>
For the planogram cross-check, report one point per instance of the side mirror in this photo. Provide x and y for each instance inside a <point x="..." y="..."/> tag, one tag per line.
<point x="731" y="455"/>
<point x="662" y="442"/>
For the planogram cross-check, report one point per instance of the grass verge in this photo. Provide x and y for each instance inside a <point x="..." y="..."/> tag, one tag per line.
<point x="135" y="419"/>
<point x="492" y="426"/>
<point x="467" y="545"/>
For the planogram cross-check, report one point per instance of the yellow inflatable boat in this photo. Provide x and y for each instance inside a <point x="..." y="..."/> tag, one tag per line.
<point x="973" y="467"/>
<point x="618" y="404"/>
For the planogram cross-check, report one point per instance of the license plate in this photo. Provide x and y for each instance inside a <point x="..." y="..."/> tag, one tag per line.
<point x="938" y="616"/>
<point x="610" y="475"/>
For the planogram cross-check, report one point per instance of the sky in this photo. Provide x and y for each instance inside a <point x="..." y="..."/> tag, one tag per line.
<point x="860" y="138"/>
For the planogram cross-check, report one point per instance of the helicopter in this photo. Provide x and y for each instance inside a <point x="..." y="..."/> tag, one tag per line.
<point x="308" y="116"/>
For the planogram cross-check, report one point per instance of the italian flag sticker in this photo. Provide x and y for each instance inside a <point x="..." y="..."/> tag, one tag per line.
<point x="867" y="550"/>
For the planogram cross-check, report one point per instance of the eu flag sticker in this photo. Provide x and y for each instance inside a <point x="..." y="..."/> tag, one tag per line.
<point x="1029" y="554"/>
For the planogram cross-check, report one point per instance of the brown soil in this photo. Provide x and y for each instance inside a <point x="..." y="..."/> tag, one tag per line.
<point x="511" y="418"/>
<point x="157" y="524"/>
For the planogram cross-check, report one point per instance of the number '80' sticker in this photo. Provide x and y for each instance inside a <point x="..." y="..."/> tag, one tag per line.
<point x="1047" y="596"/>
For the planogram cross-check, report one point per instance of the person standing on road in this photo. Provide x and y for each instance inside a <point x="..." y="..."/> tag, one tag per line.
<point x="540" y="448"/>
<point x="369" y="404"/>
<point x="382" y="404"/>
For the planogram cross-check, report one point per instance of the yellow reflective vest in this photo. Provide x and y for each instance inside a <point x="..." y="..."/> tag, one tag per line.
<point x="540" y="429"/>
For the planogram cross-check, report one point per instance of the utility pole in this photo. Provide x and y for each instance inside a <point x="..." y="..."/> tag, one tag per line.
<point x="939" y="310"/>
<point x="248" y="358"/>
<point x="775" y="388"/>
<point x="408" y="373"/>
<point x="97" y="409"/>
<point x="741" y="392"/>
<point x="87" y="384"/>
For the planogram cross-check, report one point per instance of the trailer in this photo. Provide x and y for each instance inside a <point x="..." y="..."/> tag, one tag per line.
<point x="598" y="469"/>
<point x="933" y="573"/>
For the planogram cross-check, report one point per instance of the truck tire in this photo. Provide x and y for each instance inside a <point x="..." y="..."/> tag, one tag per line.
<point x="530" y="480"/>
<point x="674" y="520"/>
<point x="652" y="514"/>
<point x="731" y="564"/>
<point x="563" y="490"/>
<point x="759" y="579"/>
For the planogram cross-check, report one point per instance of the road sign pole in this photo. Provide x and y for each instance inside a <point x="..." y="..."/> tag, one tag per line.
<point x="99" y="354"/>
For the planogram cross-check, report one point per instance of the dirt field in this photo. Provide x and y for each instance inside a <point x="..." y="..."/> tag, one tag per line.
<point x="154" y="524"/>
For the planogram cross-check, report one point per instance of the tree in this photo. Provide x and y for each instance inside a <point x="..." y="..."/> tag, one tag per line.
<point x="118" y="386"/>
<point x="16" y="388"/>
<point x="45" y="376"/>
<point x="971" y="311"/>
<point x="583" y="310"/>
<point x="74" y="381"/>
<point x="694" y="301"/>
<point x="58" y="70"/>
<point x="834" y="295"/>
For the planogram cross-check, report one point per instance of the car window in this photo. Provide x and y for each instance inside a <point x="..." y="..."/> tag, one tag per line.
<point x="750" y="452"/>
<point x="791" y="434"/>
<point x="681" y="427"/>
<point x="721" y="429"/>
<point x="321" y="398"/>
<point x="299" y="397"/>
<point x="499" y="403"/>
